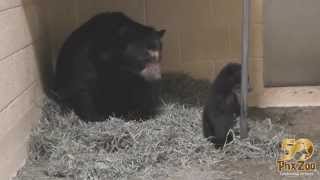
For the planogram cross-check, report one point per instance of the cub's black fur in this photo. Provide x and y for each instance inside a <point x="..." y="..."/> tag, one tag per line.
<point x="110" y="66"/>
<point x="223" y="105"/>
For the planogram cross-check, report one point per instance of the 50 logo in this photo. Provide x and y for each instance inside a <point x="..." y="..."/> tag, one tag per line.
<point x="294" y="154"/>
<point x="300" y="150"/>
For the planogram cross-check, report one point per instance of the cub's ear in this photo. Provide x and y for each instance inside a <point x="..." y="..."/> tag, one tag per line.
<point x="161" y="33"/>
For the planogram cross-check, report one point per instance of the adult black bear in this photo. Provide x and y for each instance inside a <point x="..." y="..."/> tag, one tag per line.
<point x="223" y="105"/>
<point x="110" y="66"/>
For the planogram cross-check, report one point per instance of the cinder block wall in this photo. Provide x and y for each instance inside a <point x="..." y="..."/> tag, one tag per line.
<point x="22" y="53"/>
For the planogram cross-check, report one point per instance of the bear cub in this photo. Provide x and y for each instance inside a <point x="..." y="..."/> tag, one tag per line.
<point x="223" y="105"/>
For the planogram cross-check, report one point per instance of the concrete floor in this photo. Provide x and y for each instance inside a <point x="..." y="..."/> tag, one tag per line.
<point x="301" y="122"/>
<point x="304" y="96"/>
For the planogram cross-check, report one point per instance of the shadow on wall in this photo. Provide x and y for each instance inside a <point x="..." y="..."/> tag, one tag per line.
<point x="36" y="14"/>
<point x="183" y="89"/>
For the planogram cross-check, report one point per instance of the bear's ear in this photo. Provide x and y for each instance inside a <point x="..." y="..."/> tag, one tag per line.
<point x="161" y="32"/>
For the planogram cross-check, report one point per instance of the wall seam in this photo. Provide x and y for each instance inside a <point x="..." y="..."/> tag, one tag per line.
<point x="18" y="95"/>
<point x="145" y="11"/>
<point x="10" y="8"/>
<point x="16" y="51"/>
<point x="76" y="13"/>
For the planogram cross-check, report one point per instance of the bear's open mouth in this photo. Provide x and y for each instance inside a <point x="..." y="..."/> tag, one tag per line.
<point x="152" y="71"/>
<point x="154" y="56"/>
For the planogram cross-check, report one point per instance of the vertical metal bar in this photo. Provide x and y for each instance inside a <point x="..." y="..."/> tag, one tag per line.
<point x="246" y="8"/>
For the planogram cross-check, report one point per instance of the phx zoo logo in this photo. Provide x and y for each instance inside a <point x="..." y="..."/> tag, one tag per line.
<point x="295" y="156"/>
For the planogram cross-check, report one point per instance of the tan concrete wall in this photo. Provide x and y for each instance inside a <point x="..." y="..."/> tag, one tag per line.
<point x="291" y="43"/>
<point x="22" y="51"/>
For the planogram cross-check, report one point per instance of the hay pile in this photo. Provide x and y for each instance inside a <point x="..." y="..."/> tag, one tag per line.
<point x="63" y="147"/>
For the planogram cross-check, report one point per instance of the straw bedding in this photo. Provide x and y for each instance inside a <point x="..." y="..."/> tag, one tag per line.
<point x="63" y="147"/>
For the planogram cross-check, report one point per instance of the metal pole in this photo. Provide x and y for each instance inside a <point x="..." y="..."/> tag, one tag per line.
<point x="244" y="74"/>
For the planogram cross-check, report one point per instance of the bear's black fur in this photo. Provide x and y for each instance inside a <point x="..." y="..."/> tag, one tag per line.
<point x="110" y="66"/>
<point x="223" y="105"/>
